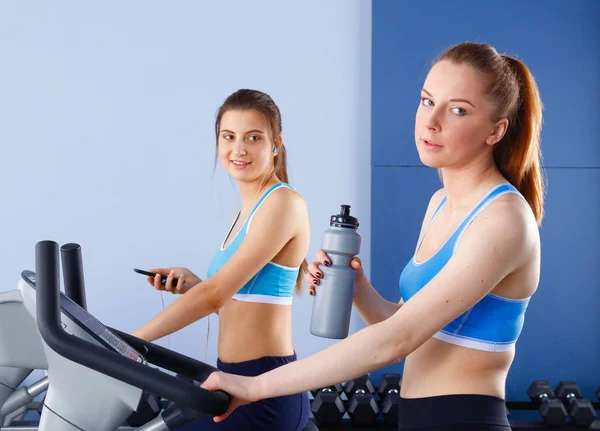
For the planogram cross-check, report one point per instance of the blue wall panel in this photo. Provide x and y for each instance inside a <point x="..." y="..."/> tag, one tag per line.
<point x="558" y="40"/>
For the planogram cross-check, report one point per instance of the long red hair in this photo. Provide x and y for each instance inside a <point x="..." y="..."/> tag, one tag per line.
<point x="512" y="86"/>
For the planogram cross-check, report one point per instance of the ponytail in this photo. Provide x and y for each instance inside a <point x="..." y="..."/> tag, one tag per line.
<point x="281" y="164"/>
<point x="282" y="174"/>
<point x="518" y="155"/>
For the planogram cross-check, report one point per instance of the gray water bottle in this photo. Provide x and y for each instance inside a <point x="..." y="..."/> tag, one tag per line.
<point x="332" y="305"/>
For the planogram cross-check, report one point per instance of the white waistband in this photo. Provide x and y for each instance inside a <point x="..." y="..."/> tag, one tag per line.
<point x="488" y="346"/>
<point x="249" y="297"/>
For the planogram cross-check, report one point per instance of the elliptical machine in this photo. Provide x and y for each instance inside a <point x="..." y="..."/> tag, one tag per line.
<point x="20" y="352"/>
<point x="21" y="347"/>
<point x="97" y="374"/>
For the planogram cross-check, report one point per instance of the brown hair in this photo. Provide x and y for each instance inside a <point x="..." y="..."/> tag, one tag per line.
<point x="513" y="88"/>
<point x="245" y="99"/>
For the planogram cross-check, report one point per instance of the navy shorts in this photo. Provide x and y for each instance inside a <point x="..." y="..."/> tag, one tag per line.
<point x="289" y="413"/>
<point x="453" y="413"/>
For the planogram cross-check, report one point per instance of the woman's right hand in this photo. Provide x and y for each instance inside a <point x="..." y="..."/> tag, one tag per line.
<point x="315" y="275"/>
<point x="186" y="279"/>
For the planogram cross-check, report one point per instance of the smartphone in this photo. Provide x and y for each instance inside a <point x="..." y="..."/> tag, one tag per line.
<point x="163" y="278"/>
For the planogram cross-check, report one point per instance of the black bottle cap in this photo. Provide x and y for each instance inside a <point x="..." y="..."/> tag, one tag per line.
<point x="344" y="219"/>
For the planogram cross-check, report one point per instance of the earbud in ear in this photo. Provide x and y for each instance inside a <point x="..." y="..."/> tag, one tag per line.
<point x="274" y="150"/>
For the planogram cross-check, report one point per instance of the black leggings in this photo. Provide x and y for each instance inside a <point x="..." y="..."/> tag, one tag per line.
<point x="453" y="413"/>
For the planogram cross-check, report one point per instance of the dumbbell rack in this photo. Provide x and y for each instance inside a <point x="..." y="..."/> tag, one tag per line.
<point x="516" y="424"/>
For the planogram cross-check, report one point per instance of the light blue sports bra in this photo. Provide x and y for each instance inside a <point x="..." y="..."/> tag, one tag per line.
<point x="274" y="283"/>
<point x="494" y="323"/>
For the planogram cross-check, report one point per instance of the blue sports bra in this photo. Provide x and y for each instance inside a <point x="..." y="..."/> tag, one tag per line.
<point x="274" y="283"/>
<point x="494" y="323"/>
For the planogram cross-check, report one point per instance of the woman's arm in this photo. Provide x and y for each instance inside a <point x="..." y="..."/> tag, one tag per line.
<point x="273" y="227"/>
<point x="475" y="269"/>
<point x="371" y="306"/>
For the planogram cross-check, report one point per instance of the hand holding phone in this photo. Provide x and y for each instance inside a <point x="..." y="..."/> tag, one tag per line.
<point x="185" y="281"/>
<point x="163" y="278"/>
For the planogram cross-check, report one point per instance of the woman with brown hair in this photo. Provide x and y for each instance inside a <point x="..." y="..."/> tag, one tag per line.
<point x="257" y="270"/>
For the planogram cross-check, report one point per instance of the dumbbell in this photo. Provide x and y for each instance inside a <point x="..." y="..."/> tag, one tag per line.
<point x="148" y="408"/>
<point x="550" y="409"/>
<point x="335" y="388"/>
<point x="581" y="411"/>
<point x="362" y="406"/>
<point x="327" y="406"/>
<point x="389" y="394"/>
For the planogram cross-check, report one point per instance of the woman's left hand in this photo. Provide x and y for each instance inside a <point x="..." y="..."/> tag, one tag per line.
<point x="240" y="388"/>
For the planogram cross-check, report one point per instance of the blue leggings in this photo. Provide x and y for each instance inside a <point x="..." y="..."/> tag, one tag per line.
<point x="289" y="413"/>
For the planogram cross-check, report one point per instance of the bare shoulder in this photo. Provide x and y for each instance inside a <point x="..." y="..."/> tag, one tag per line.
<point x="514" y="211"/>
<point x="285" y="202"/>
<point x="289" y="198"/>
<point x="434" y="202"/>
<point x="437" y="197"/>
<point x="508" y="222"/>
